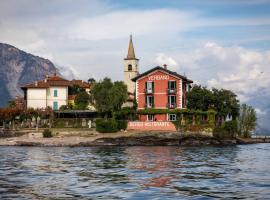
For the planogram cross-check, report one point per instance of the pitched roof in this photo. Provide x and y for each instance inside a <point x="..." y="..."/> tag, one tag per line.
<point x="131" y="52"/>
<point x="162" y="69"/>
<point x="80" y="83"/>
<point x="55" y="81"/>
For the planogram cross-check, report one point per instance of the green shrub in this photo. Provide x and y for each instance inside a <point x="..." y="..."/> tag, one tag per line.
<point x="211" y="117"/>
<point x="219" y="132"/>
<point x="122" y="124"/>
<point x="47" y="133"/>
<point x="227" y="130"/>
<point x="125" y="113"/>
<point x="106" y="126"/>
<point x="231" y="127"/>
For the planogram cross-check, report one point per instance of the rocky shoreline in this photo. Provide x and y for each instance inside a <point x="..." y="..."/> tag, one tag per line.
<point x="119" y="139"/>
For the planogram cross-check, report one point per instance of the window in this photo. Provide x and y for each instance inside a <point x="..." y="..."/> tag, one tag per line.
<point x="171" y="86"/>
<point x="171" y="101"/>
<point x="171" y="117"/>
<point x="55" y="105"/>
<point x="149" y="101"/>
<point x="150" y="117"/>
<point x="149" y="87"/>
<point x="188" y="87"/>
<point x="55" y="93"/>
<point x="129" y="67"/>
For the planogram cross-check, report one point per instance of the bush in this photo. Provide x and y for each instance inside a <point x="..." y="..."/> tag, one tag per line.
<point x="220" y="133"/>
<point x="228" y="130"/>
<point x="231" y="127"/>
<point x="47" y="133"/>
<point x="125" y="113"/>
<point x="106" y="126"/>
<point x="122" y="124"/>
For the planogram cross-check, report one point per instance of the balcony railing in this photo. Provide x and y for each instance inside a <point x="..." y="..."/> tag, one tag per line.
<point x="171" y="90"/>
<point x="171" y="105"/>
<point x="149" y="91"/>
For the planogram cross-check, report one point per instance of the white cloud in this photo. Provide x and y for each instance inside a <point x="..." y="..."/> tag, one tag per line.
<point x="260" y="112"/>
<point x="119" y="24"/>
<point x="239" y="69"/>
<point x="162" y="59"/>
<point x="242" y="70"/>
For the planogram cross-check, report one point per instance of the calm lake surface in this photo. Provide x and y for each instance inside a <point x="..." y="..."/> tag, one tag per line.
<point x="240" y="172"/>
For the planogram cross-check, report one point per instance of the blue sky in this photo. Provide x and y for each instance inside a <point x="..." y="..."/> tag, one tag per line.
<point x="216" y="43"/>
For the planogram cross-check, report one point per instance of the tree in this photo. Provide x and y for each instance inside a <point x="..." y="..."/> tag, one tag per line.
<point x="107" y="96"/>
<point x="75" y="89"/>
<point x="91" y="81"/>
<point x="199" y="98"/>
<point x="246" y="121"/>
<point x="118" y="95"/>
<point x="223" y="101"/>
<point x="82" y="100"/>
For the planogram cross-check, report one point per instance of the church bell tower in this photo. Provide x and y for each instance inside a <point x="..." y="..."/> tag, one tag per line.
<point x="131" y="64"/>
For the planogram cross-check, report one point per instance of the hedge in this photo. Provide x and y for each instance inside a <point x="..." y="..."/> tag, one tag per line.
<point x="106" y="126"/>
<point x="110" y="125"/>
<point x="122" y="124"/>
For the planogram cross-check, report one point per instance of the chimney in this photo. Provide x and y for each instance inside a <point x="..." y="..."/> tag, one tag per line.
<point x="165" y="66"/>
<point x="36" y="83"/>
<point x="45" y="80"/>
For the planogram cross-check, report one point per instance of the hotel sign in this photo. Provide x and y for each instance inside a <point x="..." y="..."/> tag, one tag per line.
<point x="158" y="77"/>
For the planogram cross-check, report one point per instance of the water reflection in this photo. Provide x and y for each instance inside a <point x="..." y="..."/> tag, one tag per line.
<point x="155" y="161"/>
<point x="135" y="172"/>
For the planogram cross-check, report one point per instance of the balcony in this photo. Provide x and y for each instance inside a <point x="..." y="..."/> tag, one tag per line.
<point x="149" y="105"/>
<point x="171" y="90"/>
<point x="148" y="91"/>
<point x="171" y="105"/>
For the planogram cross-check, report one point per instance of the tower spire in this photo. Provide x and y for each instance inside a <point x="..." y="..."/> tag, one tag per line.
<point x="131" y="52"/>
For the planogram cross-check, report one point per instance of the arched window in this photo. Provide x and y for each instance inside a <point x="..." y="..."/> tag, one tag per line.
<point x="129" y="67"/>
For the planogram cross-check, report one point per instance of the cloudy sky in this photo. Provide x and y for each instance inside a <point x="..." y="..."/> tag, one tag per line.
<point x="217" y="43"/>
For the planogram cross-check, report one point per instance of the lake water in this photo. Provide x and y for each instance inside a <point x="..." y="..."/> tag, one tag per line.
<point x="241" y="172"/>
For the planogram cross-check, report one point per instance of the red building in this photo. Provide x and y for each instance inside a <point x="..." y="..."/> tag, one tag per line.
<point x="160" y="88"/>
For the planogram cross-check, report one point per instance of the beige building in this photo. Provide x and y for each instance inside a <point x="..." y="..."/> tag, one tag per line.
<point x="50" y="92"/>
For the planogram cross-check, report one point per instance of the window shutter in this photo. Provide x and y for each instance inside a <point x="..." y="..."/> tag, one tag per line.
<point x="146" y="86"/>
<point x="153" y="86"/>
<point x="169" y="85"/>
<point x="153" y="102"/>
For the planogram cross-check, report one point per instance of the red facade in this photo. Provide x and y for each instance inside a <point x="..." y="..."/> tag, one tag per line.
<point x="160" y="88"/>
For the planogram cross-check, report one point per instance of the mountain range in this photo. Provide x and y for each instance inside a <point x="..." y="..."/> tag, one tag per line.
<point x="18" y="68"/>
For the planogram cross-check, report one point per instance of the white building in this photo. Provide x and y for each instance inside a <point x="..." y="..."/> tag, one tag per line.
<point x="50" y="92"/>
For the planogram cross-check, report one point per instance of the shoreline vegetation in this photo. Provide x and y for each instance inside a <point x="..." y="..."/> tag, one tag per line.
<point x="212" y="117"/>
<point x="86" y="137"/>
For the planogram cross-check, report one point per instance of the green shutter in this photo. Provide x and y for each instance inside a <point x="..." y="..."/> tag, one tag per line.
<point x="146" y="87"/>
<point x="145" y="100"/>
